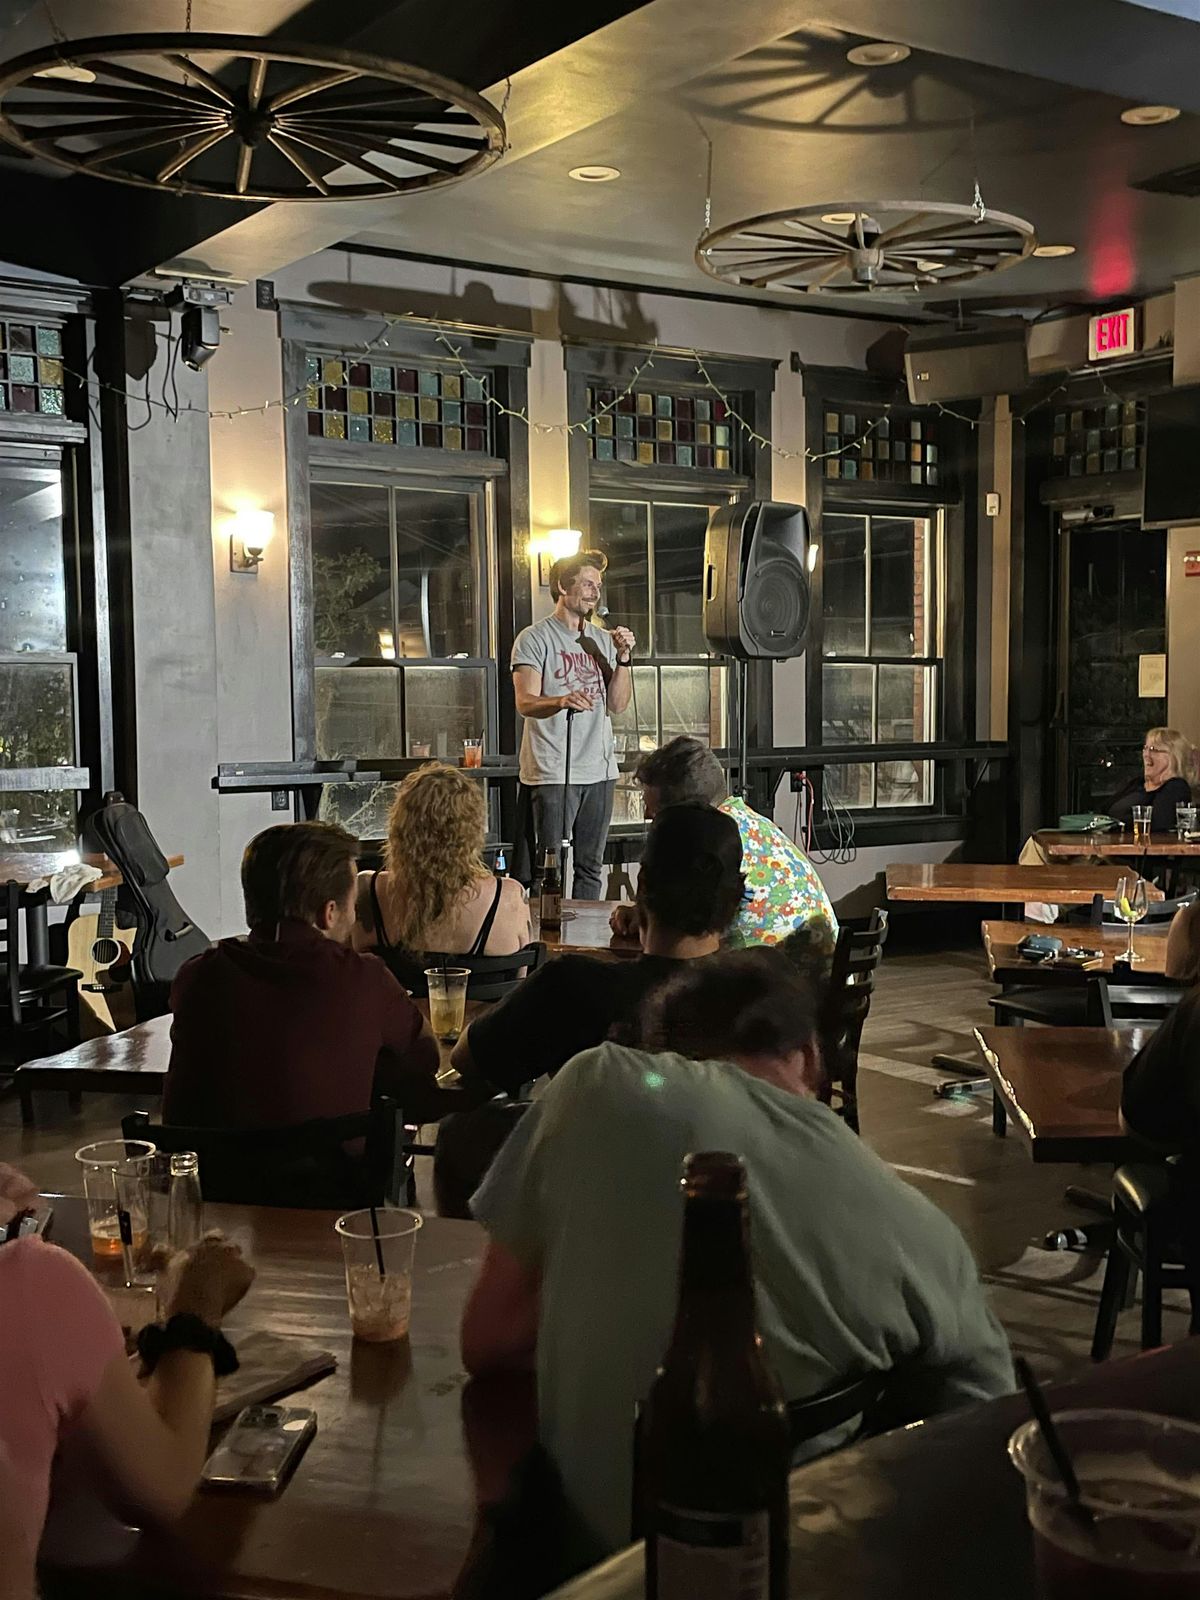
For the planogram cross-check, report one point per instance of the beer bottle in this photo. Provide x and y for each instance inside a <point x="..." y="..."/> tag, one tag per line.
<point x="714" y="1446"/>
<point x="551" y="891"/>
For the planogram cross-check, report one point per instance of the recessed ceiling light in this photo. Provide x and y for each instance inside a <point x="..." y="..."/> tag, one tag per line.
<point x="1148" y="116"/>
<point x="1047" y="251"/>
<point x="879" y="54"/>
<point x="70" y="71"/>
<point x="594" y="174"/>
<point x="839" y="219"/>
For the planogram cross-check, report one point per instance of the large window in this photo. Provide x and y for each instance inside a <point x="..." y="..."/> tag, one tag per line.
<point x="654" y="585"/>
<point x="881" y="656"/>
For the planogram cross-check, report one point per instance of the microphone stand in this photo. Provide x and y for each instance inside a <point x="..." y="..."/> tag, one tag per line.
<point x="566" y="842"/>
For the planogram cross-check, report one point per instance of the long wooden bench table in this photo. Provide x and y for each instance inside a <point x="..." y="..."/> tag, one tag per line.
<point x="966" y="881"/>
<point x="1060" y="844"/>
<point x="1005" y="966"/>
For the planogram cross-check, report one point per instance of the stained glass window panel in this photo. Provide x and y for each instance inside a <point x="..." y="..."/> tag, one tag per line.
<point x="370" y="402"/>
<point x="675" y="430"/>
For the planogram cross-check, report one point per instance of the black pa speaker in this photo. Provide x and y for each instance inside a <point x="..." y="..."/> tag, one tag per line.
<point x="963" y="366"/>
<point x="756" y="590"/>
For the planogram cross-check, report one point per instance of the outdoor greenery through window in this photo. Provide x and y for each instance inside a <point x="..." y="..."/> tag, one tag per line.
<point x="880" y="653"/>
<point x="654" y="585"/>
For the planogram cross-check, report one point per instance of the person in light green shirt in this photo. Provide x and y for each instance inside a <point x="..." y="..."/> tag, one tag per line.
<point x="855" y="1271"/>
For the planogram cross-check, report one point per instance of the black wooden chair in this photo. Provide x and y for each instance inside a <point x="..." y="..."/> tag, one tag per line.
<point x="844" y="1010"/>
<point x="1148" y="1211"/>
<point x="36" y="1003"/>
<point x="467" y="1144"/>
<point x="1085" y="1000"/>
<point x="306" y="1165"/>
<point x="1116" y="1005"/>
<point x="491" y="976"/>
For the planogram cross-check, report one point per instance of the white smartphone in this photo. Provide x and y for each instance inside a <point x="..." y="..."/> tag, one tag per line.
<point x="262" y="1448"/>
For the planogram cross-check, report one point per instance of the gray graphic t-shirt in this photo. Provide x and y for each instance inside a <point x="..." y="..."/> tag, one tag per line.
<point x="555" y="652"/>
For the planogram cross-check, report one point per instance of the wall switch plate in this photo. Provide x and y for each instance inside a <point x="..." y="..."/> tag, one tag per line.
<point x="280" y="800"/>
<point x="992" y="504"/>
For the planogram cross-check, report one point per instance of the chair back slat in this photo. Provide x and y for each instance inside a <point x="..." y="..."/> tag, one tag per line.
<point x="1109" y="1004"/>
<point x="491" y="976"/>
<point x="847" y="1002"/>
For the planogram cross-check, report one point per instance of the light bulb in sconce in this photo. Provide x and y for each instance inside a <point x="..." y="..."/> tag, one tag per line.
<point x="556" y="545"/>
<point x="813" y="552"/>
<point x="250" y="532"/>
<point x="387" y="644"/>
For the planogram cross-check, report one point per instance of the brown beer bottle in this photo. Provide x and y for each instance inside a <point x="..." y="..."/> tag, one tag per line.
<point x="551" y="892"/>
<point x="714" y="1446"/>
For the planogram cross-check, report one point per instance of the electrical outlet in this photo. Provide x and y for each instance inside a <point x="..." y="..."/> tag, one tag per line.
<point x="797" y="781"/>
<point x="280" y="800"/>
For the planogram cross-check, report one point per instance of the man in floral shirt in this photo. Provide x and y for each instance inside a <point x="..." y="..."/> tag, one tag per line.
<point x="785" y="900"/>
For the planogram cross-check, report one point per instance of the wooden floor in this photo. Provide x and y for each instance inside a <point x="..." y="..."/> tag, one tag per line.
<point x="926" y="1001"/>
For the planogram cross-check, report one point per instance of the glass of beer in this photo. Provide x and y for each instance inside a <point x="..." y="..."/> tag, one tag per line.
<point x="116" y="1178"/>
<point x="1141" y="824"/>
<point x="447" y="1000"/>
<point x="472" y="752"/>
<point x="378" y="1246"/>
<point x="1139" y="1531"/>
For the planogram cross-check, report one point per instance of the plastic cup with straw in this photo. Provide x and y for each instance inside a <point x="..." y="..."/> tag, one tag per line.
<point x="378" y="1247"/>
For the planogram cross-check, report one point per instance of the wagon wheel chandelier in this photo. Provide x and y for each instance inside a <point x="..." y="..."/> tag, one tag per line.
<point x="230" y="116"/>
<point x="860" y="247"/>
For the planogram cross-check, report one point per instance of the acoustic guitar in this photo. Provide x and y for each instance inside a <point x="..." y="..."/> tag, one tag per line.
<point x="101" y="951"/>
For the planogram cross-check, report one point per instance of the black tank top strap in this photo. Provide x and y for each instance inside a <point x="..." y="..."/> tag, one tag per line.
<point x="485" y="931"/>
<point x="381" y="938"/>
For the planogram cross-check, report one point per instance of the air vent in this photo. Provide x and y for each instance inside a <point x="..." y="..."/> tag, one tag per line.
<point x="1180" y="180"/>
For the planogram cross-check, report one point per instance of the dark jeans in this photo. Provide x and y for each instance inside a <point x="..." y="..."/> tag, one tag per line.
<point x="588" y="808"/>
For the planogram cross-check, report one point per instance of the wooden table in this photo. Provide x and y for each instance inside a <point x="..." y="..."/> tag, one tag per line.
<point x="31" y="866"/>
<point x="135" y="1061"/>
<point x="1062" y="1087"/>
<point x="587" y="932"/>
<point x="1000" y="885"/>
<point x="932" y="1512"/>
<point x="1000" y="940"/>
<point x="1056" y="843"/>
<point x="383" y="1502"/>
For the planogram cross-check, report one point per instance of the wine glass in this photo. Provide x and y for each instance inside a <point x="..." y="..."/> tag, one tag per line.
<point x="1130" y="906"/>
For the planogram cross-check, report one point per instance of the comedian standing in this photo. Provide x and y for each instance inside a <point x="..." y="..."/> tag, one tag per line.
<point x="566" y="663"/>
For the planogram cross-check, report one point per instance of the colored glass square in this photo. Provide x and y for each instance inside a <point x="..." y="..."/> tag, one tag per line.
<point x="313" y="397"/>
<point x="591" y="397"/>
<point x="867" y="471"/>
<point x="1060" y="445"/>
<point x="3" y="366"/>
<point x="684" y="455"/>
<point x="645" y="427"/>
<point x="831" y="422"/>
<point x="24" y="398"/>
<point x="381" y="378"/>
<point x="867" y="448"/>
<point x="915" y="475"/>
<point x="50" y="371"/>
<point x="335" y="399"/>
<point x="914" y="429"/>
<point x="664" y="430"/>
<point x="704" y="433"/>
<point x="49" y="341"/>
<point x="451" y="411"/>
<point x="430" y="435"/>
<point x="335" y="425"/>
<point x="721" y="460"/>
<point x="451" y="386"/>
<point x="382" y="431"/>
<point x="476" y="439"/>
<point x="406" y="380"/>
<point x="406" y="433"/>
<point x="703" y="410"/>
<point x="476" y="414"/>
<point x="452" y="438"/>
<point x="931" y="452"/>
<point x="605" y="426"/>
<point x="720" y="411"/>
<point x="360" y="402"/>
<point x="704" y="455"/>
<point x="476" y="388"/>
<point x="833" y="467"/>
<point x="721" y="435"/>
<point x="685" y="432"/>
<point x="21" y="369"/>
<point x="1060" y="422"/>
<point x="385" y="405"/>
<point x="19" y="337"/>
<point x="663" y="405"/>
<point x="314" y="423"/>
<point x="624" y="427"/>
<point x="312" y="369"/>
<point x="626" y="450"/>
<point x="360" y="374"/>
<point x="645" y="454"/>
<point x="427" y="383"/>
<point x="683" y="408"/>
<point x="849" y="468"/>
<point x="52" y="403"/>
<point x="627" y="403"/>
<point x="427" y="410"/>
<point x="884" y="429"/>
<point x="931" y="475"/>
<point x="899" y="450"/>
<point x="1093" y="463"/>
<point x="666" y="455"/>
<point x="915" y="453"/>
<point x="1128" y="459"/>
<point x="333" y="372"/>
<point x="645" y="405"/>
<point x="406" y="407"/>
<point x="1076" y="421"/>
<point x="604" y="397"/>
<point x="605" y="450"/>
<point x="3" y="336"/>
<point x="1110" y="460"/>
<point x="360" y="428"/>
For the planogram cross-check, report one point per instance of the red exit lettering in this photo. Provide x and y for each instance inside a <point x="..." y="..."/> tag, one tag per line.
<point x="1112" y="333"/>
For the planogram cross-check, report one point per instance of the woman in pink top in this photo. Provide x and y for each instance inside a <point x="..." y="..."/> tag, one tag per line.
<point x="65" y="1372"/>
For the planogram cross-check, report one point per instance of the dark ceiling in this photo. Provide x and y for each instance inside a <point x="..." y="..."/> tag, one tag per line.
<point x="1023" y="95"/>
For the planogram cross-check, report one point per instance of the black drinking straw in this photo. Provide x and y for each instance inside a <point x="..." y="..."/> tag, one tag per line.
<point x="378" y="1244"/>
<point x="1053" y="1440"/>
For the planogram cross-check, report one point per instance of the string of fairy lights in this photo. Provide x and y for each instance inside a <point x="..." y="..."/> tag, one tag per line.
<point x="378" y="344"/>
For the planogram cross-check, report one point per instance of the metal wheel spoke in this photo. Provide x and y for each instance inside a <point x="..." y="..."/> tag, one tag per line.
<point x="901" y="230"/>
<point x="828" y="234"/>
<point x="286" y="148"/>
<point x="245" y="162"/>
<point x="166" y="133"/>
<point x="827" y="277"/>
<point x="257" y="83"/>
<point x="347" y="156"/>
<point x="301" y="91"/>
<point x="389" y="112"/>
<point x="836" y="265"/>
<point x="384" y="133"/>
<point x="858" y="229"/>
<point x="397" y="104"/>
<point x="94" y="129"/>
<point x="115" y="96"/>
<point x="196" y="148"/>
<point x="118" y="111"/>
<point x="369" y="145"/>
<point x="213" y="85"/>
<point x="147" y="82"/>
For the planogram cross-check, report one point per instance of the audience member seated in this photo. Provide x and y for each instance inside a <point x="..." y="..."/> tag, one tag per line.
<point x="856" y="1271"/>
<point x="436" y="896"/>
<point x="1183" y="944"/>
<point x="291" y="1023"/>
<point x="66" y="1376"/>
<point x="784" y="899"/>
<point x="689" y="890"/>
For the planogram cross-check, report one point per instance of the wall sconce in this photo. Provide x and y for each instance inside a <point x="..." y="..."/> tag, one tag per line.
<point x="557" y="545"/>
<point x="248" y="540"/>
<point x="813" y="553"/>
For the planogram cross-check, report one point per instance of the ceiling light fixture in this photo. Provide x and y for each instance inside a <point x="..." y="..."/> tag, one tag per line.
<point x="594" y="174"/>
<point x="1148" y="116"/>
<point x="839" y="219"/>
<point x="878" y="54"/>
<point x="1051" y="251"/>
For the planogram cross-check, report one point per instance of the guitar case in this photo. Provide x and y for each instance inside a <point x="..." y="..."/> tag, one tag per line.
<point x="166" y="936"/>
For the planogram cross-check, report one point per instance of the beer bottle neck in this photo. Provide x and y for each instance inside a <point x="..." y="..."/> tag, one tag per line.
<point x="716" y="1286"/>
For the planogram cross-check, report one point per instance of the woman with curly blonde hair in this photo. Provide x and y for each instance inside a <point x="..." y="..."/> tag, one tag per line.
<point x="435" y="895"/>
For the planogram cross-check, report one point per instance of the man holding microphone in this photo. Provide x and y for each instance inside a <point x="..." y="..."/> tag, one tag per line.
<point x="566" y="669"/>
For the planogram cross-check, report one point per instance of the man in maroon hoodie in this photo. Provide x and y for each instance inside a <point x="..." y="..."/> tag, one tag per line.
<point x="291" y="1023"/>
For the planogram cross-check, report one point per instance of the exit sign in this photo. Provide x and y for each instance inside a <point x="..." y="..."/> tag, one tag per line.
<point x="1112" y="333"/>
